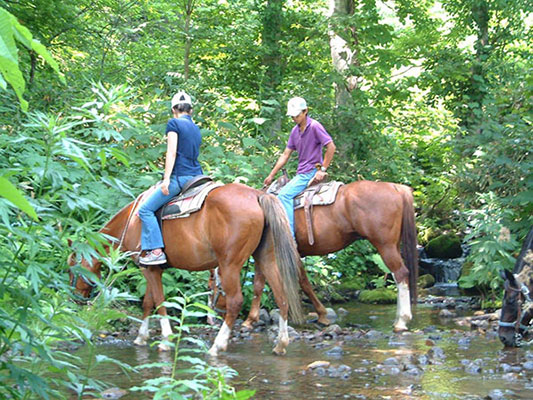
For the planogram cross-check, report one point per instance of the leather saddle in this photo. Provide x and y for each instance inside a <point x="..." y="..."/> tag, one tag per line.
<point x="316" y="194"/>
<point x="190" y="199"/>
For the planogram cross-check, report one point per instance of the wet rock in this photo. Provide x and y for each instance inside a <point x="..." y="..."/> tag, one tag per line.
<point x="414" y="371"/>
<point x="360" y="370"/>
<point x="331" y="314"/>
<point x="320" y="371"/>
<point x="528" y="365"/>
<point x="473" y="368"/>
<point x="274" y="316"/>
<point x="529" y="355"/>
<point x="336" y="351"/>
<point x="479" y="324"/>
<point x="436" y="355"/>
<point x="498" y="394"/>
<point x="423" y="360"/>
<point x="391" y="361"/>
<point x="464" y="342"/>
<point x="510" y="376"/>
<point x="373" y="334"/>
<point x="113" y="393"/>
<point x="341" y="311"/>
<point x="430" y="342"/>
<point x="264" y="317"/>
<point x="445" y="313"/>
<point x="332" y="330"/>
<point x="318" y="364"/>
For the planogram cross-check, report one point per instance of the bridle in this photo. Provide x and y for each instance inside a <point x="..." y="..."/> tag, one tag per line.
<point x="524" y="304"/>
<point x="213" y="297"/>
<point x="76" y="275"/>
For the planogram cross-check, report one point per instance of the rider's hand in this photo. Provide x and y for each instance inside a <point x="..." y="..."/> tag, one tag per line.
<point x="319" y="176"/>
<point x="267" y="181"/>
<point x="164" y="186"/>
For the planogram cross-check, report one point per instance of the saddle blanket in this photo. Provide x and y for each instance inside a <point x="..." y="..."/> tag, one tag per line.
<point x="323" y="195"/>
<point x="189" y="202"/>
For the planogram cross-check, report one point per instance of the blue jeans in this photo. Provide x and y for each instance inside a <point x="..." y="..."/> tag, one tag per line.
<point x="292" y="189"/>
<point x="151" y="237"/>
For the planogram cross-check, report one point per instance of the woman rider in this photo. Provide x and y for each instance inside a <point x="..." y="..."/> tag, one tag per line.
<point x="181" y="164"/>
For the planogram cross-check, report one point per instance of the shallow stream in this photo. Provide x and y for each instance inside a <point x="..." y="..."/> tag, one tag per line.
<point x="437" y="359"/>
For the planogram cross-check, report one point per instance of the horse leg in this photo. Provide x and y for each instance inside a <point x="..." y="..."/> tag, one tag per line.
<point x="259" y="284"/>
<point x="148" y="306"/>
<point x="273" y="278"/>
<point x="154" y="297"/>
<point x="392" y="258"/>
<point x="230" y="280"/>
<point x="308" y="290"/>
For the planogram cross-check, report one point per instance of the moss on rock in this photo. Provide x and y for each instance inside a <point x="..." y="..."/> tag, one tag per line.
<point x="425" y="281"/>
<point x="378" y="296"/>
<point x="444" y="247"/>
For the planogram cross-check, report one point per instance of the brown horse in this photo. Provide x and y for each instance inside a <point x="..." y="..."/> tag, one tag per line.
<point x="235" y="222"/>
<point x="380" y="212"/>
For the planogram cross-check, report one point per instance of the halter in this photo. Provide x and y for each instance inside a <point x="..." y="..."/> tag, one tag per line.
<point x="517" y="324"/>
<point x="214" y="299"/>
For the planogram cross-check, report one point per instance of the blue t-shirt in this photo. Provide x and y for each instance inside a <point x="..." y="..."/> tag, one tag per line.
<point x="189" y="141"/>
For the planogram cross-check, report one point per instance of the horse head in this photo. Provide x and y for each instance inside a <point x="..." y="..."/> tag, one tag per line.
<point x="516" y="307"/>
<point x="81" y="284"/>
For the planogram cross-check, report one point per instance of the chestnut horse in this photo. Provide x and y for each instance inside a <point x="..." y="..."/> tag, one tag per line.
<point x="235" y="222"/>
<point x="380" y="212"/>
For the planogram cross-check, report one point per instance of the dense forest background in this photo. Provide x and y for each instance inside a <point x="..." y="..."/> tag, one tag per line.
<point x="433" y="94"/>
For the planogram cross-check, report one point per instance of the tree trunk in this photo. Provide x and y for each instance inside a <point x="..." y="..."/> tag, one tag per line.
<point x="272" y="58"/>
<point x="343" y="54"/>
<point x="188" y="9"/>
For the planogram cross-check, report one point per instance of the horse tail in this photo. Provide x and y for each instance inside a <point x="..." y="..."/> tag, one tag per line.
<point x="285" y="250"/>
<point x="409" y="250"/>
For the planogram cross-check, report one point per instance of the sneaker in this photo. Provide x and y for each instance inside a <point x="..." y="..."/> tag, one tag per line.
<point x="152" y="259"/>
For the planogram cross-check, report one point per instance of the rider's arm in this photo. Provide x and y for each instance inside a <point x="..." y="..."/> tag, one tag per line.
<point x="170" y="159"/>
<point x="282" y="160"/>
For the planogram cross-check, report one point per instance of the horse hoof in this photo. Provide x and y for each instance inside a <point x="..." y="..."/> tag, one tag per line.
<point x="279" y="352"/>
<point x="324" y="321"/>
<point x="163" y="347"/>
<point x="140" y="341"/>
<point x="400" y="329"/>
<point x="247" y="326"/>
<point x="213" y="352"/>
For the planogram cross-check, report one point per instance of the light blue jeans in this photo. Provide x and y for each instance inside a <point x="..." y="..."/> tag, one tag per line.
<point x="151" y="237"/>
<point x="292" y="189"/>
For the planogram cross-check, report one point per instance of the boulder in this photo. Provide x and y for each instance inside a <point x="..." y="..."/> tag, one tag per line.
<point x="444" y="247"/>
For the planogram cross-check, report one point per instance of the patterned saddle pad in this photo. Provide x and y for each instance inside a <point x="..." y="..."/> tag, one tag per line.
<point x="188" y="202"/>
<point x="323" y="195"/>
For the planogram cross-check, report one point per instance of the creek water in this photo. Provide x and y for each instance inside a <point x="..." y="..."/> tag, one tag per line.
<point x="380" y="364"/>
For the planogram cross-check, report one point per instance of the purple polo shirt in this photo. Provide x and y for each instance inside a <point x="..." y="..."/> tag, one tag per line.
<point x="308" y="144"/>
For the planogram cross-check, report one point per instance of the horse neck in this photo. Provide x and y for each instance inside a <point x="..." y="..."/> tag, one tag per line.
<point x="116" y="225"/>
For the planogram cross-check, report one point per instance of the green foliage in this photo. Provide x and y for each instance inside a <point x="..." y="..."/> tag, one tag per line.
<point x="11" y="32"/>
<point x="491" y="244"/>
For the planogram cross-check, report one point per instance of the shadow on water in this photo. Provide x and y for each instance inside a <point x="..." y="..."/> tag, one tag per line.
<point x="437" y="359"/>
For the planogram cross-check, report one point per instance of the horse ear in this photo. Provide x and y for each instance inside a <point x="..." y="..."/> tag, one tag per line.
<point x="508" y="276"/>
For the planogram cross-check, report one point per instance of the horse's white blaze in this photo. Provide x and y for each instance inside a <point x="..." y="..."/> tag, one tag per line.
<point x="143" y="332"/>
<point x="403" y="310"/>
<point x="221" y="341"/>
<point x="166" y="330"/>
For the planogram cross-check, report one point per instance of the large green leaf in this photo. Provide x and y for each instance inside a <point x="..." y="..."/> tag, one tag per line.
<point x="10" y="192"/>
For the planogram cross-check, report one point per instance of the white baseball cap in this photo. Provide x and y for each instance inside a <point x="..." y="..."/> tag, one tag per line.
<point x="295" y="106"/>
<point x="181" y="98"/>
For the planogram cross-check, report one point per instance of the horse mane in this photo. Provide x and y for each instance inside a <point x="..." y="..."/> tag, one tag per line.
<point x="521" y="260"/>
<point x="114" y="217"/>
